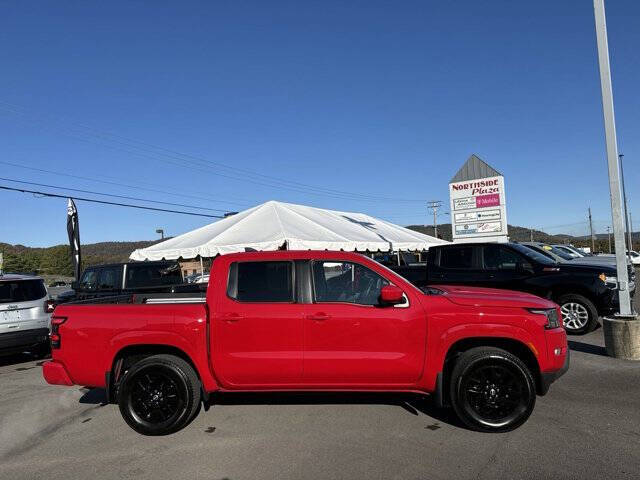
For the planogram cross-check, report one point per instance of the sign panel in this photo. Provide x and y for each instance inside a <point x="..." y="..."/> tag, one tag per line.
<point x="478" y="209"/>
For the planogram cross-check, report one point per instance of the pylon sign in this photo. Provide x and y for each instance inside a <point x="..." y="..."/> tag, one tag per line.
<point x="477" y="202"/>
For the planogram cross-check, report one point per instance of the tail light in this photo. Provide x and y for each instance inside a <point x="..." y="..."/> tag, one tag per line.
<point x="49" y="305"/>
<point x="55" y="331"/>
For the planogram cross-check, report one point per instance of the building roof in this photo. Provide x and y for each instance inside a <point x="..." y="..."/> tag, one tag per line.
<point x="473" y="169"/>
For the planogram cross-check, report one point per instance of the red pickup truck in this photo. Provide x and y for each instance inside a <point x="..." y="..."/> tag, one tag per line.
<point x="312" y="320"/>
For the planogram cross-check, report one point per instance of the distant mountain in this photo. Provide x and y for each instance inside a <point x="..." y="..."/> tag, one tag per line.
<point x="523" y="234"/>
<point x="56" y="260"/>
<point x="516" y="233"/>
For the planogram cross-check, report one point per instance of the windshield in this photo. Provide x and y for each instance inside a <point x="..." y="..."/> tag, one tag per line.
<point x="577" y="251"/>
<point x="559" y="252"/>
<point x="529" y="252"/>
<point x="21" y="291"/>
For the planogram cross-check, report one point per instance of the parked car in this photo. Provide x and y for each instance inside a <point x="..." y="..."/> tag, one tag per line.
<point x="190" y="278"/>
<point x="290" y="320"/>
<point x="202" y="278"/>
<point x="25" y="313"/>
<point x="559" y="256"/>
<point x="573" y="253"/>
<point x="584" y="292"/>
<point x="123" y="278"/>
<point x="635" y="258"/>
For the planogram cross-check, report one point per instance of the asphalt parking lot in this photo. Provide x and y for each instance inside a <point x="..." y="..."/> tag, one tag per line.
<point x="588" y="426"/>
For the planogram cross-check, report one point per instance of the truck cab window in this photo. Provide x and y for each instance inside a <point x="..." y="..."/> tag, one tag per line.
<point x="497" y="257"/>
<point x="456" y="257"/>
<point x="346" y="282"/>
<point x="262" y="282"/>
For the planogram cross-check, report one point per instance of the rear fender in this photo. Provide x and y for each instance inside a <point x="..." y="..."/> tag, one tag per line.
<point x="197" y="354"/>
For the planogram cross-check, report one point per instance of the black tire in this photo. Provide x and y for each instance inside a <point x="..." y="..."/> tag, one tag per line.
<point x="159" y="395"/>
<point x="574" y="307"/>
<point x="481" y="383"/>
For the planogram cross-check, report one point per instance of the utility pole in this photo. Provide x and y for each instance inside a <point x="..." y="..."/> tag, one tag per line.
<point x="609" y="237"/>
<point x="531" y="234"/>
<point x="631" y="227"/>
<point x="593" y="243"/>
<point x="626" y="206"/>
<point x="434" y="205"/>
<point x="612" y="157"/>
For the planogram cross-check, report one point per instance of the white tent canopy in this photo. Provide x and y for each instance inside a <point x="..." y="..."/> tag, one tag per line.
<point x="274" y="225"/>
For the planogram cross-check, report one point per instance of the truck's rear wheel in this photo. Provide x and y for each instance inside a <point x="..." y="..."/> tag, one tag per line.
<point x="492" y="390"/>
<point x="159" y="395"/>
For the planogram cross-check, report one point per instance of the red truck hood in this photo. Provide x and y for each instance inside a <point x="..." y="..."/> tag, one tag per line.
<point x="492" y="297"/>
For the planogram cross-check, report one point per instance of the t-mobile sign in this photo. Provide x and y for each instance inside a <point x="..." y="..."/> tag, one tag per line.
<point x="492" y="200"/>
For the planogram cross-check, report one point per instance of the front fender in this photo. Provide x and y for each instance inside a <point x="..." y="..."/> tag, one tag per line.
<point x="440" y="344"/>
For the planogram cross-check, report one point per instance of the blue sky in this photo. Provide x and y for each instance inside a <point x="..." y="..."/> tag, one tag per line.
<point x="383" y="99"/>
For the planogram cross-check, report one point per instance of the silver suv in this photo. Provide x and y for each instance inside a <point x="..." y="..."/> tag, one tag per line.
<point x="25" y="314"/>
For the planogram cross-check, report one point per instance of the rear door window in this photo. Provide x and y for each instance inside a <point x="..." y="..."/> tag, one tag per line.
<point x="262" y="282"/>
<point x="456" y="258"/>
<point x="89" y="280"/>
<point x="152" y="275"/>
<point x="22" y="291"/>
<point x="108" y="279"/>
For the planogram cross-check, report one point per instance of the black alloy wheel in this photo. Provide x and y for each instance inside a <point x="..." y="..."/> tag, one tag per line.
<point x="492" y="390"/>
<point x="159" y="395"/>
<point x="155" y="397"/>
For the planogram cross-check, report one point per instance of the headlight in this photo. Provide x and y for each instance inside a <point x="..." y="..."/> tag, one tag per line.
<point x="611" y="282"/>
<point x="553" y="319"/>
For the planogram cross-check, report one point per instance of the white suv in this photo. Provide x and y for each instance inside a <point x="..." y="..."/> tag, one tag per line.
<point x="25" y="314"/>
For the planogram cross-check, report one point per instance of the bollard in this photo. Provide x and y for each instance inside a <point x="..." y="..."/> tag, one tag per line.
<point x="622" y="336"/>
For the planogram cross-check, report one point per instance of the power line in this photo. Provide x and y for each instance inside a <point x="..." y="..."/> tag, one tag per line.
<point x="93" y="200"/>
<point x="125" y="185"/>
<point x="112" y="195"/>
<point x="144" y="151"/>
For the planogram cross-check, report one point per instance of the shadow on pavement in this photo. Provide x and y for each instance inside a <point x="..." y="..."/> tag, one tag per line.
<point x="18" y="358"/>
<point x="415" y="404"/>
<point x="587" y="348"/>
<point x="93" y="396"/>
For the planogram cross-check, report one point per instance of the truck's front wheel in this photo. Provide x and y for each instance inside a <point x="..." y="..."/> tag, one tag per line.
<point x="492" y="390"/>
<point x="159" y="395"/>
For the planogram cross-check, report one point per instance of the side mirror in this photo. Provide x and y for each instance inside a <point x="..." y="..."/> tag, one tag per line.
<point x="391" y="295"/>
<point x="74" y="285"/>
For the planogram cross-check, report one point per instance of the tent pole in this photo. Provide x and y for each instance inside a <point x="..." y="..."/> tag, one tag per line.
<point x="201" y="266"/>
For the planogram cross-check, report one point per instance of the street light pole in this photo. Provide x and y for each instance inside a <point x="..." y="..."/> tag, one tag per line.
<point x="612" y="157"/>
<point x="593" y="242"/>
